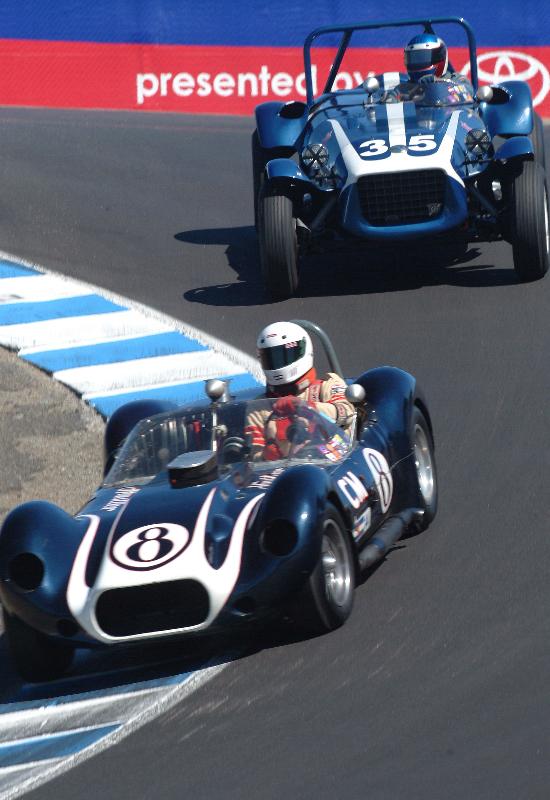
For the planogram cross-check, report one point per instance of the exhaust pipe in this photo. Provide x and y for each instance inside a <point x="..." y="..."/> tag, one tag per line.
<point x="386" y="536"/>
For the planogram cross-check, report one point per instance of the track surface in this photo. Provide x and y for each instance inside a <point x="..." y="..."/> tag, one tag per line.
<point x="438" y="685"/>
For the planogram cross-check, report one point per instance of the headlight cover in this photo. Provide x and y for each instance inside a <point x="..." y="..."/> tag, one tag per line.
<point x="315" y="159"/>
<point x="478" y="142"/>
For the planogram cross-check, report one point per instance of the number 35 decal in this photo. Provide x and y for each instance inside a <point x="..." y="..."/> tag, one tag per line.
<point x="418" y="143"/>
<point x="151" y="546"/>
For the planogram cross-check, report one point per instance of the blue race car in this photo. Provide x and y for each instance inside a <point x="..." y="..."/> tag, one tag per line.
<point x="398" y="159"/>
<point x="190" y="534"/>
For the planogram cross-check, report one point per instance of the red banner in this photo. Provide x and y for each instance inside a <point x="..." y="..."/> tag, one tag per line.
<point x="215" y="80"/>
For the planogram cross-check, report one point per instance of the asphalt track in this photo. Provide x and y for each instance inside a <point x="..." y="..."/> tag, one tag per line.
<point x="438" y="685"/>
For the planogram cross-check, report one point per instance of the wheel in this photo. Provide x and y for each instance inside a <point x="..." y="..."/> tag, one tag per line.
<point x="37" y="657"/>
<point x="424" y="462"/>
<point x="260" y="157"/>
<point x="258" y="163"/>
<point x="537" y="137"/>
<point x="278" y="243"/>
<point x="529" y="222"/>
<point x="326" y="600"/>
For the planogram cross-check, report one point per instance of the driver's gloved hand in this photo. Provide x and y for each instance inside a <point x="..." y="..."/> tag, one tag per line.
<point x="286" y="406"/>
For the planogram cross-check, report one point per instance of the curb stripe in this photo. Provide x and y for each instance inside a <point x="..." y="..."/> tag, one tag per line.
<point x="18" y="313"/>
<point x="158" y="344"/>
<point x="54" y="745"/>
<point x="181" y="367"/>
<point x="12" y="269"/>
<point x="181" y="393"/>
<point x="57" y="333"/>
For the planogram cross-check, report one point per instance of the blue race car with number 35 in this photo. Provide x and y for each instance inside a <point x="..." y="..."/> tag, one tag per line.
<point x="191" y="534"/>
<point x="399" y="159"/>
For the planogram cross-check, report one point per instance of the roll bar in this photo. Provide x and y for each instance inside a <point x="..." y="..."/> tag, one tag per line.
<point x="348" y="30"/>
<point x="330" y="352"/>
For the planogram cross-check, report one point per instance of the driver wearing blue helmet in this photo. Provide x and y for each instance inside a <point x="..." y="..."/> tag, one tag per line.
<point x="427" y="61"/>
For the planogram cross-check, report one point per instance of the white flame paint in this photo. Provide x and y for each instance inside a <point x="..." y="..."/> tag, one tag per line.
<point x="191" y="564"/>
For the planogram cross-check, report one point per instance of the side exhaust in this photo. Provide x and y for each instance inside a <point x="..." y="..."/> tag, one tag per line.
<point x="387" y="535"/>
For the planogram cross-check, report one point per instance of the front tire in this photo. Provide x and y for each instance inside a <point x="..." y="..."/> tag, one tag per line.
<point x="425" y="469"/>
<point x="326" y="600"/>
<point x="278" y="244"/>
<point x="530" y="222"/>
<point x="537" y="137"/>
<point x="37" y="657"/>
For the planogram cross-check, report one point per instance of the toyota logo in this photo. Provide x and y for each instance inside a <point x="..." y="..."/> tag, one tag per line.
<point x="500" y="65"/>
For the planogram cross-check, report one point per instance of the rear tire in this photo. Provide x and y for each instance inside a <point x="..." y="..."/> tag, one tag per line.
<point x="37" y="657"/>
<point x="326" y="600"/>
<point x="424" y="464"/>
<point x="278" y="244"/>
<point x="530" y="222"/>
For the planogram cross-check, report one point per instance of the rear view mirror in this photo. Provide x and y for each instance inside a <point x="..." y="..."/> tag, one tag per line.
<point x="484" y="94"/>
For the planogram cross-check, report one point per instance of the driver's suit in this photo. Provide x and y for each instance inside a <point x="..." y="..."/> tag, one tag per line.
<point x="266" y="433"/>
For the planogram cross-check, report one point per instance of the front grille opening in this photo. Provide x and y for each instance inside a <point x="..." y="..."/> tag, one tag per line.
<point x="402" y="198"/>
<point x="153" y="608"/>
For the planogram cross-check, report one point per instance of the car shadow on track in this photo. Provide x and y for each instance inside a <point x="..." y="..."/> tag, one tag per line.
<point x="364" y="269"/>
<point x="104" y="671"/>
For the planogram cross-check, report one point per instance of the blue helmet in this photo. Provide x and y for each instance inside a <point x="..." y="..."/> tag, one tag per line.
<point x="426" y="54"/>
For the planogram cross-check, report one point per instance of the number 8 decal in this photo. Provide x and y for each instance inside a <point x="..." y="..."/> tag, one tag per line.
<point x="381" y="473"/>
<point x="151" y="546"/>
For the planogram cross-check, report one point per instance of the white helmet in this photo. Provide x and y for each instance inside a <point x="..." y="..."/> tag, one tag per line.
<point x="285" y="352"/>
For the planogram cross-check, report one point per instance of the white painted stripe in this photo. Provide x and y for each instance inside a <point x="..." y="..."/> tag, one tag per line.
<point x="61" y="717"/>
<point x="391" y="80"/>
<point x="396" y="124"/>
<point x="9" y="776"/>
<point x="128" y="375"/>
<point x="36" y="288"/>
<point x="71" y="331"/>
<point x="41" y="774"/>
<point x="176" y="368"/>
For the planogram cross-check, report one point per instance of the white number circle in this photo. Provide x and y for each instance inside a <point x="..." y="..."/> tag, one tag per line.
<point x="151" y="546"/>
<point x="381" y="473"/>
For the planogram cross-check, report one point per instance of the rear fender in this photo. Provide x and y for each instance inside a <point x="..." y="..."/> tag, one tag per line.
<point x="299" y="498"/>
<point x="510" y="113"/>
<point x="124" y="419"/>
<point x="393" y="393"/>
<point x="281" y="124"/>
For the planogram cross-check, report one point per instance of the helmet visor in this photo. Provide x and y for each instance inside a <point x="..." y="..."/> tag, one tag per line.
<point x="424" y="57"/>
<point x="282" y="354"/>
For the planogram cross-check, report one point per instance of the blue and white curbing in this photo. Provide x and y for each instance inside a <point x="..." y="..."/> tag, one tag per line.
<point x="107" y="348"/>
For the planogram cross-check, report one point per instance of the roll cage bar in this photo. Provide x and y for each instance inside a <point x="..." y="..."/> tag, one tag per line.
<point x="330" y="352"/>
<point x="348" y="30"/>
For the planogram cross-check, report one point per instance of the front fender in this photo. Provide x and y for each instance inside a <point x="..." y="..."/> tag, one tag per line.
<point x="51" y="535"/>
<point x="286" y="170"/>
<point x="277" y="130"/>
<point x="518" y="147"/>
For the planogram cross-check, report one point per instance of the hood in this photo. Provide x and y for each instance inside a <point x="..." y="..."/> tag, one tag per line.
<point x="391" y="137"/>
<point x="138" y="536"/>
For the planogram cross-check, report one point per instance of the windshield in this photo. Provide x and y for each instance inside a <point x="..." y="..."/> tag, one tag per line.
<point x="252" y="431"/>
<point x="432" y="93"/>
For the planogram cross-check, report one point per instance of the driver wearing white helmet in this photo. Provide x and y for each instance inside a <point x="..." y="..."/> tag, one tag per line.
<point x="286" y="355"/>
